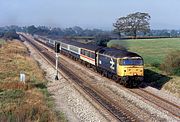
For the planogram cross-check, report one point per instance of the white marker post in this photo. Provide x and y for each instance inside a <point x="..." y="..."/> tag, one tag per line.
<point x="22" y="77"/>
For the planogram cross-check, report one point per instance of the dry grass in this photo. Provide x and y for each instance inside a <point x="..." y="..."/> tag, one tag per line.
<point x="15" y="59"/>
<point x="173" y="86"/>
<point x="19" y="101"/>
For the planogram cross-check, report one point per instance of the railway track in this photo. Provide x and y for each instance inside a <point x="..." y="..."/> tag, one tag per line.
<point x="120" y="113"/>
<point x="164" y="104"/>
<point x="158" y="101"/>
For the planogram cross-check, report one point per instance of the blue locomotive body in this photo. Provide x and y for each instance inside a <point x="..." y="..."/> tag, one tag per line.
<point x="107" y="63"/>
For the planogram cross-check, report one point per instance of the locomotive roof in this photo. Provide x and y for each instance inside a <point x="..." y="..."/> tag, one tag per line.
<point x="116" y="53"/>
<point x="81" y="45"/>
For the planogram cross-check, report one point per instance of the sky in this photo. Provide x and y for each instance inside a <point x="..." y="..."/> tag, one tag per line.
<point x="165" y="14"/>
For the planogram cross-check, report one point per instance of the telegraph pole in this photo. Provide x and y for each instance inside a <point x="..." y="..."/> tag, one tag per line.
<point x="57" y="50"/>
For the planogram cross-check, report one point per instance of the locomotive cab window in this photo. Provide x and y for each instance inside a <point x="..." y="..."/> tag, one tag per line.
<point x="131" y="62"/>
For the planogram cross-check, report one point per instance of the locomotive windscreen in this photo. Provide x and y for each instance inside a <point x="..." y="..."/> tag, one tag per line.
<point x="132" y="62"/>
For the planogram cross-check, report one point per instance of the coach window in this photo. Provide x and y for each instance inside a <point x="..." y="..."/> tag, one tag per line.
<point x="92" y="55"/>
<point x="86" y="52"/>
<point x="64" y="46"/>
<point x="75" y="49"/>
<point x="89" y="54"/>
<point x="82" y="51"/>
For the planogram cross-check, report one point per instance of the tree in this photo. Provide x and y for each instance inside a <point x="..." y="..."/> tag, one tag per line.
<point x="133" y="23"/>
<point x="69" y="32"/>
<point x="11" y="34"/>
<point x="102" y="39"/>
<point x="120" y="26"/>
<point x="78" y="30"/>
<point x="56" y="32"/>
<point x="32" y="29"/>
<point x="42" y="30"/>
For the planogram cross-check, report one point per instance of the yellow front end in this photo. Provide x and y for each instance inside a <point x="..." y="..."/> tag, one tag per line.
<point x="130" y="70"/>
<point x="130" y="67"/>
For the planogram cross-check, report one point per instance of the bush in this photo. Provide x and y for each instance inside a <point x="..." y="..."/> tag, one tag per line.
<point x="117" y="46"/>
<point x="102" y="39"/>
<point x="176" y="71"/>
<point x="155" y="64"/>
<point x="11" y="34"/>
<point x="171" y="64"/>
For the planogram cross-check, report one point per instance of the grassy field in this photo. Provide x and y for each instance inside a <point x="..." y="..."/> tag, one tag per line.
<point x="21" y="102"/>
<point x="152" y="50"/>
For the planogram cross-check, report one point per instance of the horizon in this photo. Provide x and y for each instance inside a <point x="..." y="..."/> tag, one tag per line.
<point x="80" y="27"/>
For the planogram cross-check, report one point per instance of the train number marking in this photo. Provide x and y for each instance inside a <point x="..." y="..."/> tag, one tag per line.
<point x="112" y="64"/>
<point x="99" y="61"/>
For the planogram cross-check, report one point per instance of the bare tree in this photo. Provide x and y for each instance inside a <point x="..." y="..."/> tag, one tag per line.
<point x="133" y="23"/>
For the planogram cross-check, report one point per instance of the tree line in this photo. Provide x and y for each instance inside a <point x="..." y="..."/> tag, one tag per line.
<point x="62" y="32"/>
<point x="132" y="25"/>
<point x="78" y="31"/>
<point x="8" y="34"/>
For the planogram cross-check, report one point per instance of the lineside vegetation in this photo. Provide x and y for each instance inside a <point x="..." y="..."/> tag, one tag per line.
<point x="162" y="60"/>
<point x="21" y="102"/>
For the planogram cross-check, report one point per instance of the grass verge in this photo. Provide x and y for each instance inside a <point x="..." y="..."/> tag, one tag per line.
<point x="24" y="102"/>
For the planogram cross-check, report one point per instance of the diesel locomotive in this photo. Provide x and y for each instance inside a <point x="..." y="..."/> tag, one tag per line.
<point x="124" y="67"/>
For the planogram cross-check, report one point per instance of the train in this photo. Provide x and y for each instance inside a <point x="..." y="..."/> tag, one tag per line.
<point x="124" y="67"/>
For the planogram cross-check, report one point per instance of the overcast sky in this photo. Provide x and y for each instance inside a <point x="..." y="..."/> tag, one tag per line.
<point x="165" y="14"/>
